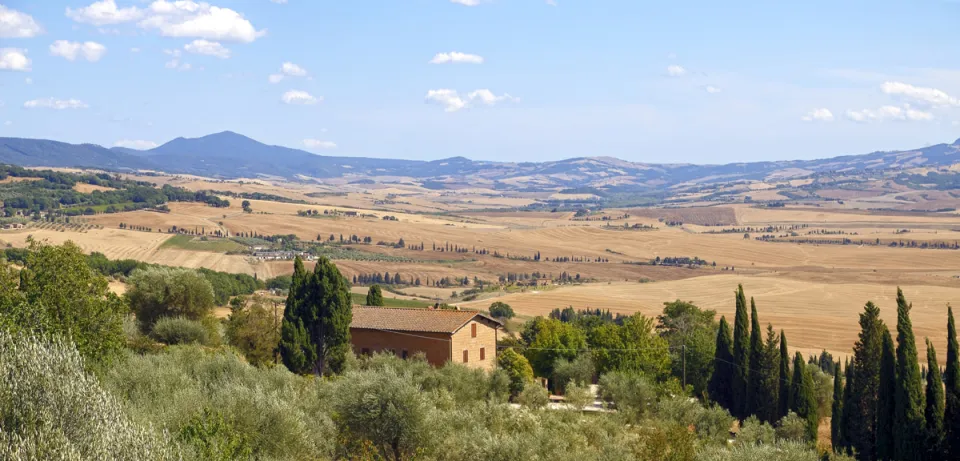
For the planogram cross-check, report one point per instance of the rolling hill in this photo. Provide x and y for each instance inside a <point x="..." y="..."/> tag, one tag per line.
<point x="231" y="155"/>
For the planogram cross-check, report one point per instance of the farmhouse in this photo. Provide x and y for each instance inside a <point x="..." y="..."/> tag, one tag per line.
<point x="443" y="335"/>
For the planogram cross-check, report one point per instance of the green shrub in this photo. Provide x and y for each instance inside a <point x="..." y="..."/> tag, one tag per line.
<point x="576" y="395"/>
<point x="753" y="432"/>
<point x="278" y="414"/>
<point x="580" y="370"/>
<point x="632" y="394"/>
<point x="792" y="427"/>
<point x="533" y="396"/>
<point x="52" y="409"/>
<point x="780" y="451"/>
<point x="178" y="330"/>
<point x="385" y="410"/>
<point x="517" y="368"/>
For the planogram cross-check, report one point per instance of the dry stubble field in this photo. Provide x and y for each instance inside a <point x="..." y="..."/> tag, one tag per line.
<point x="813" y="292"/>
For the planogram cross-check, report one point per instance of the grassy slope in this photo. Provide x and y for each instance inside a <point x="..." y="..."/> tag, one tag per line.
<point x="193" y="243"/>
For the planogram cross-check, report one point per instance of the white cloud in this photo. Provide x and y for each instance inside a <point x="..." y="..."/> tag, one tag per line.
<point x="456" y="56"/>
<point x="53" y="103"/>
<point x="930" y="96"/>
<point x="28" y="81"/>
<point x="452" y="101"/>
<point x="712" y="89"/>
<point x="104" y="12"/>
<point x="174" y="62"/>
<point x="467" y="2"/>
<point x="8" y="123"/>
<point x="299" y="97"/>
<point x="91" y="51"/>
<point x="201" y="46"/>
<point x="134" y="50"/>
<point x="14" y="24"/>
<point x="819" y="115"/>
<point x="185" y="18"/>
<point x="676" y="71"/>
<point x="293" y="70"/>
<point x="552" y="2"/>
<point x="138" y="144"/>
<point x="287" y="69"/>
<point x="279" y="2"/>
<point x="318" y="144"/>
<point x="14" y="59"/>
<point x="886" y="113"/>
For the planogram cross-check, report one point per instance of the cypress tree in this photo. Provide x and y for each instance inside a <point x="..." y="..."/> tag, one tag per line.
<point x="741" y="358"/>
<point x="866" y="362"/>
<point x="315" y="335"/>
<point x="719" y="387"/>
<point x="784" y="401"/>
<point x="935" y="405"/>
<point x="848" y="424"/>
<point x="756" y="397"/>
<point x="375" y="296"/>
<point x="886" y="401"/>
<point x="951" y="379"/>
<point x="804" y="402"/>
<point x="836" y="410"/>
<point x="909" y="391"/>
<point x="770" y="403"/>
<point x="296" y="349"/>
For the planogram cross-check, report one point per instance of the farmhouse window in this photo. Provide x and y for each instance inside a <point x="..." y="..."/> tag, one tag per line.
<point x="466" y="356"/>
<point x="483" y="354"/>
<point x="473" y="330"/>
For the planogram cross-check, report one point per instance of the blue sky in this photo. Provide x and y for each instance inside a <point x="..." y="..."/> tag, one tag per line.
<point x="511" y="80"/>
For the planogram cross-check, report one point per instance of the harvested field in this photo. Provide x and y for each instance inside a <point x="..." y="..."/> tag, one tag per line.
<point x="704" y="216"/>
<point x="88" y="188"/>
<point x="814" y="315"/>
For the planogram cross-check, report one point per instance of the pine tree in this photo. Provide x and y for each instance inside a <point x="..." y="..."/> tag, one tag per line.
<point x="951" y="379"/>
<point x="719" y="387"/>
<point x="315" y="336"/>
<point x="804" y="402"/>
<point x="755" y="379"/>
<point x="741" y="358"/>
<point x="909" y="396"/>
<point x="375" y="296"/>
<point x="866" y="362"/>
<point x="784" y="400"/>
<point x="886" y="401"/>
<point x="934" y="405"/>
<point x="836" y="410"/>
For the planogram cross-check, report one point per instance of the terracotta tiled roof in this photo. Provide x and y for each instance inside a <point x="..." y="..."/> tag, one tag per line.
<point x="424" y="320"/>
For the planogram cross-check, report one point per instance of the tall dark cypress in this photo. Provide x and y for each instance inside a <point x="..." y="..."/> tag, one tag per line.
<point x="836" y="410"/>
<point x="770" y="388"/>
<point x="886" y="401"/>
<point x="847" y="423"/>
<point x="741" y="357"/>
<point x="804" y="402"/>
<point x="720" y="386"/>
<point x="951" y="380"/>
<point x="296" y="348"/>
<point x="756" y="397"/>
<point x="864" y="387"/>
<point x="909" y="420"/>
<point x="784" y="401"/>
<point x="934" y="406"/>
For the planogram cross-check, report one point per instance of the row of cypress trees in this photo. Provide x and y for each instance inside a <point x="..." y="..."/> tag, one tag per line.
<point x="752" y="375"/>
<point x="882" y="409"/>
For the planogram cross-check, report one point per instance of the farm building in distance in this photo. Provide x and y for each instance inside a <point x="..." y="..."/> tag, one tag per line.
<point x="443" y="335"/>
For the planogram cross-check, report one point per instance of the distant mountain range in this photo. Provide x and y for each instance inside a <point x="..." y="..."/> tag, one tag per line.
<point x="231" y="155"/>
